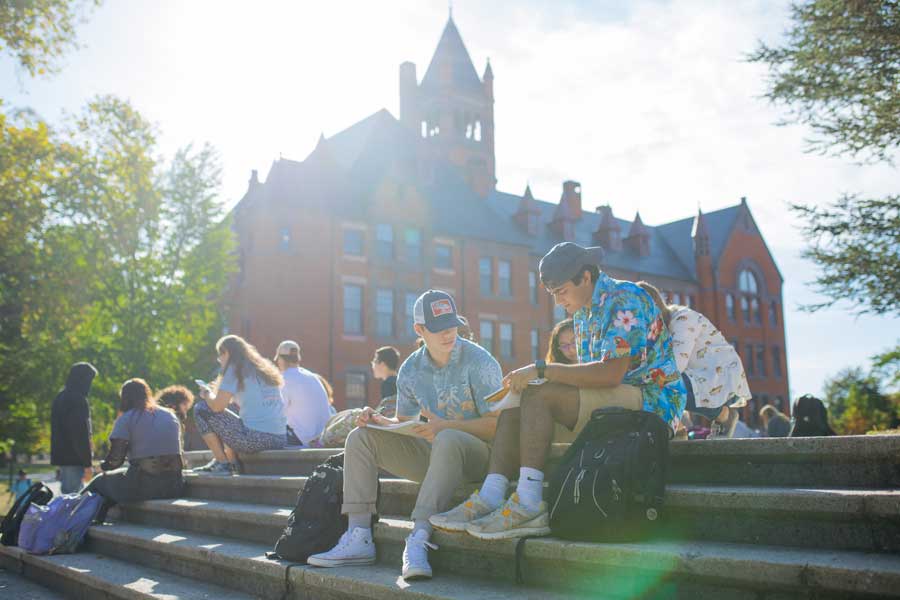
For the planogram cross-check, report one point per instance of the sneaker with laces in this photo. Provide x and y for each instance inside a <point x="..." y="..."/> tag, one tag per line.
<point x="215" y="467"/>
<point x="511" y="520"/>
<point x="415" y="556"/>
<point x="355" y="547"/>
<point x="457" y="518"/>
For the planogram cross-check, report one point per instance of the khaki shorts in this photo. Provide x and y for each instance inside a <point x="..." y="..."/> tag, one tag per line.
<point x="590" y="399"/>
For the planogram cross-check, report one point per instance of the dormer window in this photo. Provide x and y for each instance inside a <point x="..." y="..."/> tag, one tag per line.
<point x="569" y="231"/>
<point x="532" y="223"/>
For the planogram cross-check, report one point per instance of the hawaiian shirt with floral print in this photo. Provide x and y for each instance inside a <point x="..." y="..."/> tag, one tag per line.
<point x="623" y="320"/>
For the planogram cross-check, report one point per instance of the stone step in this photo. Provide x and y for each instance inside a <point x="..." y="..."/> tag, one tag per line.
<point x="17" y="587"/>
<point x="90" y="576"/>
<point x="867" y="461"/>
<point x="698" y="568"/>
<point x="841" y="519"/>
<point x="244" y="566"/>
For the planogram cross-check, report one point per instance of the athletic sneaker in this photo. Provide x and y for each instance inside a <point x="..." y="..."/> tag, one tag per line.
<point x="215" y="467"/>
<point x="511" y="520"/>
<point x="354" y="548"/>
<point x="415" y="556"/>
<point x="457" y="518"/>
<point x="724" y="429"/>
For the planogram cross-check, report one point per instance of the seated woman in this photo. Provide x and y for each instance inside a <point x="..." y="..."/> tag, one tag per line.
<point x="254" y="384"/>
<point x="180" y="400"/>
<point x="810" y="418"/>
<point x="562" y="347"/>
<point x="710" y="366"/>
<point x="150" y="436"/>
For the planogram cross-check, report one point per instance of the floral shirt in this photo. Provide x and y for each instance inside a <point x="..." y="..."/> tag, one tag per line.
<point x="455" y="391"/>
<point x="624" y="321"/>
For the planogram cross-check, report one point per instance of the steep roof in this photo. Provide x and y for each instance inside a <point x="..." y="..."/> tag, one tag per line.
<point x="719" y="224"/>
<point x="451" y="54"/>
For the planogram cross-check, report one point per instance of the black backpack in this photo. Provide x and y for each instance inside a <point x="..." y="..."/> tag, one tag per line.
<point x="38" y="493"/>
<point x="609" y="485"/>
<point x="316" y="523"/>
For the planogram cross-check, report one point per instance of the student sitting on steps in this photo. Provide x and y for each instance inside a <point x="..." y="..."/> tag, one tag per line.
<point x="445" y="381"/>
<point x="625" y="359"/>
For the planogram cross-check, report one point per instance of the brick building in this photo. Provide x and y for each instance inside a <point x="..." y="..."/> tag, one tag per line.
<point x="335" y="248"/>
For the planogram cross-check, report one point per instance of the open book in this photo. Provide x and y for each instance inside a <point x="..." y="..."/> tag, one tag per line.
<point x="503" y="398"/>
<point x="404" y="428"/>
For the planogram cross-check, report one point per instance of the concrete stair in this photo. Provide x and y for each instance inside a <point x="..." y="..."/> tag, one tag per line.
<point x="761" y="519"/>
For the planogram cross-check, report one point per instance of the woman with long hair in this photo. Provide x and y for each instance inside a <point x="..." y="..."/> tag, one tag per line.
<point x="149" y="435"/>
<point x="810" y="418"/>
<point x="562" y="347"/>
<point x="711" y="368"/>
<point x="254" y="385"/>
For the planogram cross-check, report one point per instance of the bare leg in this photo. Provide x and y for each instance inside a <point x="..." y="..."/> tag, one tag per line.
<point x="541" y="407"/>
<point x="723" y="415"/>
<point x="215" y="445"/>
<point x="505" y="451"/>
<point x="230" y="454"/>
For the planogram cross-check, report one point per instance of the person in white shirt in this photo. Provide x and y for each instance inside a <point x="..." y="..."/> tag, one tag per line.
<point x="306" y="405"/>
<point x="711" y="367"/>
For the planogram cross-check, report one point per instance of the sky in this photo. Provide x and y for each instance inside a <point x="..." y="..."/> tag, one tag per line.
<point x="651" y="105"/>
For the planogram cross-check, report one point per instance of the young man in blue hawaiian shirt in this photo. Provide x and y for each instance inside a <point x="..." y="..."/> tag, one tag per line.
<point x="625" y="359"/>
<point x="445" y="381"/>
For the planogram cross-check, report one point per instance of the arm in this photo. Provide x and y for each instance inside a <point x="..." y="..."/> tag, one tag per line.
<point x="685" y="331"/>
<point x="117" y="451"/>
<point x="224" y="394"/>
<point x="80" y="424"/>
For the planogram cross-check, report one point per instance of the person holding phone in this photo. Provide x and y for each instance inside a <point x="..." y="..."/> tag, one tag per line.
<point x="254" y="384"/>
<point x="445" y="381"/>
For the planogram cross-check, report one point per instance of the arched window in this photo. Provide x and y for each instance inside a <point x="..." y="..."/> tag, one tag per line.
<point x="747" y="282"/>
<point x="745" y="309"/>
<point x="757" y="316"/>
<point x="729" y="306"/>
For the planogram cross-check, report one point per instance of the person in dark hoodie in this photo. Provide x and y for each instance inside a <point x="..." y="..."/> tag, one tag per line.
<point x="70" y="428"/>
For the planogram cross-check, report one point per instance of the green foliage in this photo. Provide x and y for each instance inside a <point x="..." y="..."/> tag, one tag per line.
<point x="38" y="32"/>
<point x="108" y="255"/>
<point x="887" y="366"/>
<point x="857" y="405"/>
<point x="837" y="72"/>
<point x="856" y="244"/>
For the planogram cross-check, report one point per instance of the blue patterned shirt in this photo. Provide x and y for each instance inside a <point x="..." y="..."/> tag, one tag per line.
<point x="623" y="321"/>
<point x="454" y="391"/>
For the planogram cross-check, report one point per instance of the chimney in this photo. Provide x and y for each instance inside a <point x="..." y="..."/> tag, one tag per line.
<point x="572" y="197"/>
<point x="408" y="88"/>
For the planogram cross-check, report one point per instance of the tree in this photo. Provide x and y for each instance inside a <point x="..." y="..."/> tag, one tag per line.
<point x="38" y="32"/>
<point x="837" y="72"/>
<point x="128" y="260"/>
<point x="857" y="404"/>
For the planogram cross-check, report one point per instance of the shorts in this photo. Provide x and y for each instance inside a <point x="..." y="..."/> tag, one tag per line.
<point x="590" y="399"/>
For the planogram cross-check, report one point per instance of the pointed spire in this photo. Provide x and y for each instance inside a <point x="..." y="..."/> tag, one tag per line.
<point x="488" y="72"/>
<point x="700" y="235"/>
<point x="528" y="195"/>
<point x="609" y="232"/>
<point x="451" y="65"/>
<point x="638" y="227"/>
<point x="639" y="236"/>
<point x="321" y="139"/>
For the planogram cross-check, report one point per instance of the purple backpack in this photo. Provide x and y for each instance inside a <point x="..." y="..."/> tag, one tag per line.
<point x="59" y="527"/>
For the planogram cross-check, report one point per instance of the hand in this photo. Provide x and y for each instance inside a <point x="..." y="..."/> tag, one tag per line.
<point x="517" y="380"/>
<point x="205" y="393"/>
<point x="370" y="415"/>
<point x="428" y="431"/>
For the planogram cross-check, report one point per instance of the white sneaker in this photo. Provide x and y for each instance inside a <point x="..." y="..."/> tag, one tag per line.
<point x="415" y="556"/>
<point x="354" y="548"/>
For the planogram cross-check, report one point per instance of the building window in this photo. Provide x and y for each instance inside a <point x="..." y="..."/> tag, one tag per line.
<point x="532" y="287"/>
<point x="410" y="305"/>
<point x="535" y="345"/>
<point x="776" y="361"/>
<point x="504" y="285"/>
<point x="745" y="309"/>
<point x="486" y="333"/>
<point x="354" y="240"/>
<point x="485" y="276"/>
<point x="384" y="241"/>
<point x="747" y="282"/>
<point x="761" y="360"/>
<point x="355" y="390"/>
<point x="748" y="360"/>
<point x="384" y="313"/>
<point x="559" y="313"/>
<point x="532" y="223"/>
<point x="284" y="243"/>
<point x="729" y="306"/>
<point x="506" y="341"/>
<point x="676" y="298"/>
<point x="413" y="240"/>
<point x="353" y="320"/>
<point x="443" y="256"/>
<point x="735" y="345"/>
<point x="773" y="314"/>
<point x="757" y="316"/>
<point x="689" y="300"/>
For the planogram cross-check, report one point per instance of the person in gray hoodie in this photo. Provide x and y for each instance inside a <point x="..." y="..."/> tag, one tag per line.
<point x="70" y="428"/>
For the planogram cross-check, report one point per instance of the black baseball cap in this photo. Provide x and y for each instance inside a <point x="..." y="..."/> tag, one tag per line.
<point x="564" y="262"/>
<point x="436" y="310"/>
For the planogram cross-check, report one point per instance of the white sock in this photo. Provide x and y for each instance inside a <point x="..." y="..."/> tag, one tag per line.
<point x="493" y="490"/>
<point x="422" y="525"/>
<point x="359" y="520"/>
<point x="531" y="487"/>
